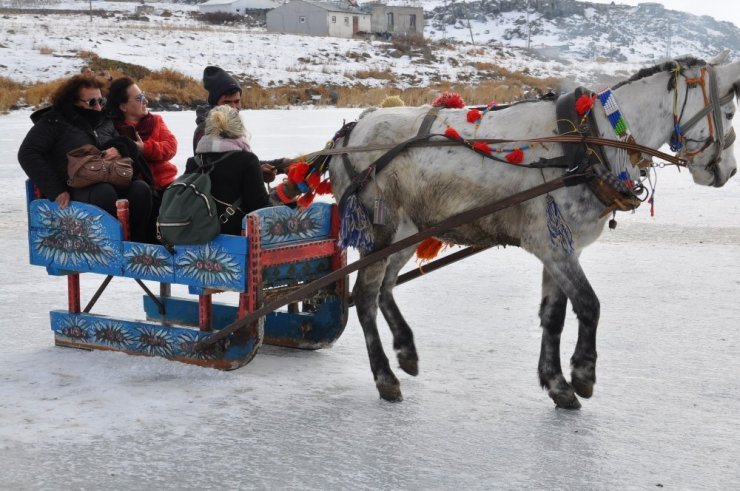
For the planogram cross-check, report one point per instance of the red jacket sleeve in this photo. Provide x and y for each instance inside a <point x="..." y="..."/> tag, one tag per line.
<point x="161" y="145"/>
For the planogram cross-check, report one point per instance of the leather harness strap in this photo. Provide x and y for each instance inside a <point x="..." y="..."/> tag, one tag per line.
<point x="449" y="142"/>
<point x="360" y="179"/>
<point x="568" y="179"/>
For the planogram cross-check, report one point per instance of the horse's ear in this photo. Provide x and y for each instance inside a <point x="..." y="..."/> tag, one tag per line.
<point x="728" y="77"/>
<point x="721" y="59"/>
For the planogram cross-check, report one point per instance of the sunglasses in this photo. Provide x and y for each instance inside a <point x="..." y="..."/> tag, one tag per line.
<point x="140" y="98"/>
<point x="99" y="101"/>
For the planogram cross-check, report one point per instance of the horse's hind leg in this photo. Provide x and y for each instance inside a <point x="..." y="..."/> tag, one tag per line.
<point x="552" y="318"/>
<point x="365" y="294"/>
<point x="403" y="338"/>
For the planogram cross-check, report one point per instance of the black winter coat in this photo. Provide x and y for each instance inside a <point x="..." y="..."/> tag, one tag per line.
<point x="235" y="175"/>
<point x="43" y="153"/>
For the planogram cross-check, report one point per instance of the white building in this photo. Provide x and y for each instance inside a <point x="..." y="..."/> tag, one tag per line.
<point x="319" y="19"/>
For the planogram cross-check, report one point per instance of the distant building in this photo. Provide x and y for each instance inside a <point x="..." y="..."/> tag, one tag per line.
<point x="550" y="51"/>
<point x="144" y="9"/>
<point x="238" y="7"/>
<point x="651" y="6"/>
<point x="397" y="20"/>
<point x="338" y="19"/>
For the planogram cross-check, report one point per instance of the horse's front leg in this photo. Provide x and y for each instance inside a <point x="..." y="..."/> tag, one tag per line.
<point x="403" y="337"/>
<point x="365" y="294"/>
<point x="569" y="277"/>
<point x="552" y="319"/>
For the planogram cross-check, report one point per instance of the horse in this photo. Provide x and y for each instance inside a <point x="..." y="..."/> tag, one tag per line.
<point x="686" y="102"/>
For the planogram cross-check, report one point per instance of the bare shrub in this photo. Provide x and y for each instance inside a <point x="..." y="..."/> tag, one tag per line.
<point x="45" y="50"/>
<point x="407" y="43"/>
<point x="222" y="18"/>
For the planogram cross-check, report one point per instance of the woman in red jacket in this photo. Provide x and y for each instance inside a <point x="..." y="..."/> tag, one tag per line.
<point x="128" y="108"/>
<point x="127" y="105"/>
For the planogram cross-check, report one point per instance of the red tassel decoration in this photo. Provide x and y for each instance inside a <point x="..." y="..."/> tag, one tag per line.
<point x="452" y="133"/>
<point x="473" y="116"/>
<point x="482" y="147"/>
<point x="584" y="104"/>
<point x="305" y="200"/>
<point x="297" y="172"/>
<point x="515" y="157"/>
<point x="449" y="100"/>
<point x="286" y="191"/>
<point x="429" y="248"/>
<point x="324" y="187"/>
<point x="313" y="180"/>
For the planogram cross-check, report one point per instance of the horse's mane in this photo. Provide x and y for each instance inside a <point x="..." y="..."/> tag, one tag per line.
<point x="684" y="62"/>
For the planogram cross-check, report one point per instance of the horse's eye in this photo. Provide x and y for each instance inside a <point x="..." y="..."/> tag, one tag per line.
<point x="729" y="116"/>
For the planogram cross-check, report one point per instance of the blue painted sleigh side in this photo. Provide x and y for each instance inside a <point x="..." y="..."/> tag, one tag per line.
<point x="283" y="248"/>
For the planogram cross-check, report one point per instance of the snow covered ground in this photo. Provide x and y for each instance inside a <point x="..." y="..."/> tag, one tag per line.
<point x="664" y="414"/>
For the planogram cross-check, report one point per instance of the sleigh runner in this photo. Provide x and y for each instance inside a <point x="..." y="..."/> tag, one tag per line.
<point x="282" y="249"/>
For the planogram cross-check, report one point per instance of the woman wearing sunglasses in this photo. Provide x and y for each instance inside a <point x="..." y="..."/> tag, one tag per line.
<point x="76" y="118"/>
<point x="127" y="105"/>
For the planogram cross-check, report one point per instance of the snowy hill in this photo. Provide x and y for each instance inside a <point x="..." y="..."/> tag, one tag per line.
<point x="585" y="30"/>
<point x="582" y="43"/>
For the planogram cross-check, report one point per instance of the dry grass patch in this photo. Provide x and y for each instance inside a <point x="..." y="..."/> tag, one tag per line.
<point x="376" y="74"/>
<point x="40" y="94"/>
<point x="10" y="93"/>
<point x="172" y="87"/>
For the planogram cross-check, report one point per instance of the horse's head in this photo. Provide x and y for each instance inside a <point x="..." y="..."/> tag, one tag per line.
<point x="704" y="105"/>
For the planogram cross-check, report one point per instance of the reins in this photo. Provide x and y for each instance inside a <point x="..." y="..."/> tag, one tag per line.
<point x="417" y="142"/>
<point x="569" y="179"/>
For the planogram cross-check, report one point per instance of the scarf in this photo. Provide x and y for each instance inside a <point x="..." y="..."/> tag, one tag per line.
<point x="90" y="116"/>
<point x="217" y="144"/>
<point x="144" y="127"/>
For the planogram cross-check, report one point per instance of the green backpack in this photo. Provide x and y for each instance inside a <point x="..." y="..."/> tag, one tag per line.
<point x="188" y="213"/>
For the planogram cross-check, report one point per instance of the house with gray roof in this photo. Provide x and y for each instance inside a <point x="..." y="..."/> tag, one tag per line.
<point x="339" y="19"/>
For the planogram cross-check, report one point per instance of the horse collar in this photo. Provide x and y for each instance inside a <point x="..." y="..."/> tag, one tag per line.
<point x="608" y="188"/>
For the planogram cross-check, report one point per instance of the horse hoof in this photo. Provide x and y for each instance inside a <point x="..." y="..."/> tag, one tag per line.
<point x="565" y="400"/>
<point x="583" y="389"/>
<point x="408" y="365"/>
<point x="583" y="382"/>
<point x="390" y="393"/>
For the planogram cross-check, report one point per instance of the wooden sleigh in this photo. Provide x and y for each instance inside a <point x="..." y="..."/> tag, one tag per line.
<point x="281" y="250"/>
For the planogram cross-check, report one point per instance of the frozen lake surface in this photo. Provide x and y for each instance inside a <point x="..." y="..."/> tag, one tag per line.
<point x="664" y="415"/>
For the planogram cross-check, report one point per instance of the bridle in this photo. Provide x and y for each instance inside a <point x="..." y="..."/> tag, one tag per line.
<point x="712" y="110"/>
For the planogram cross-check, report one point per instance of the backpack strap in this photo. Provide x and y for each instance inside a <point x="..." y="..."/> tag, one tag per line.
<point x="207" y="167"/>
<point x="204" y="167"/>
<point x="230" y="210"/>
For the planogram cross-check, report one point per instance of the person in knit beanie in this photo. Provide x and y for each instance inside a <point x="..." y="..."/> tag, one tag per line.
<point x="223" y="89"/>
<point x="220" y="86"/>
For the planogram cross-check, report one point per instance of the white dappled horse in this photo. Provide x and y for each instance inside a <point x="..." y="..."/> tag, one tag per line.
<point x="425" y="185"/>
